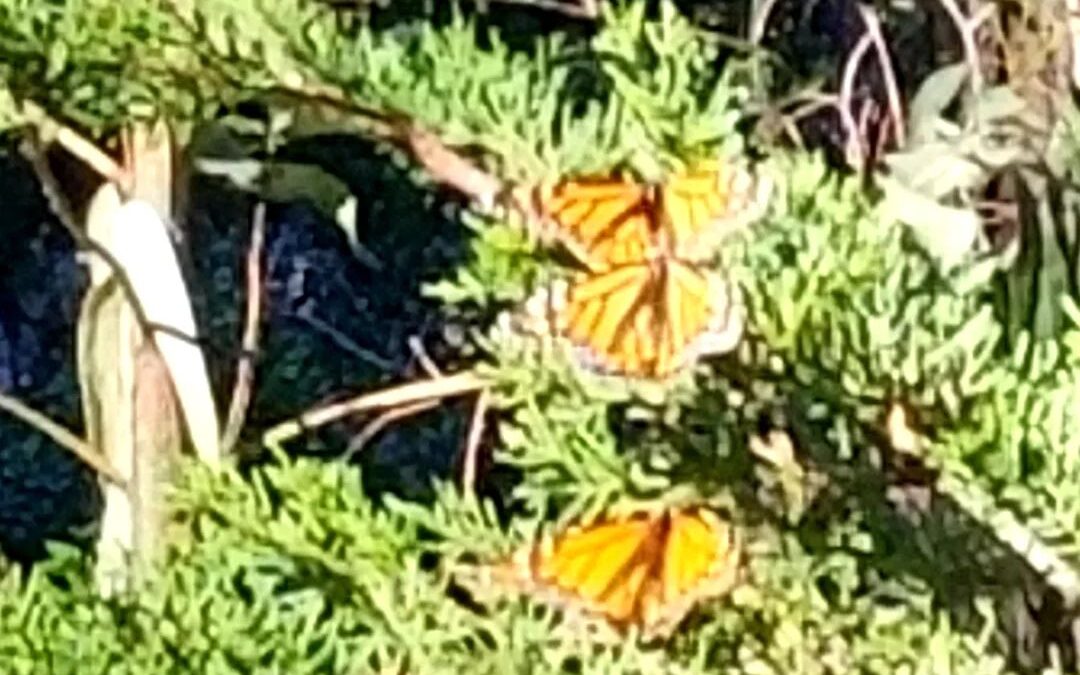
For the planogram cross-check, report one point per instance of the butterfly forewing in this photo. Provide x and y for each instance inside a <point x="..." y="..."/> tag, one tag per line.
<point x="613" y="221"/>
<point x="601" y="565"/>
<point x="605" y="222"/>
<point x="704" y="206"/>
<point x="701" y="561"/>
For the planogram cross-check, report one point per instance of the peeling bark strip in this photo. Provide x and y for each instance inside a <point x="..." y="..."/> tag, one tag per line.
<point x="157" y="436"/>
<point x="137" y="370"/>
<point x="107" y="331"/>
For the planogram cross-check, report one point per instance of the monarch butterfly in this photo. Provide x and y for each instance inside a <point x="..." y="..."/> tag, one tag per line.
<point x="611" y="221"/>
<point x="646" y="570"/>
<point x="645" y="307"/>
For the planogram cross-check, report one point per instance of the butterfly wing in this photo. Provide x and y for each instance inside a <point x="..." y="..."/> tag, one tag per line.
<point x="645" y="570"/>
<point x="701" y="207"/>
<point x="602" y="568"/>
<point x="700" y="560"/>
<point x="649" y="319"/>
<point x="603" y="221"/>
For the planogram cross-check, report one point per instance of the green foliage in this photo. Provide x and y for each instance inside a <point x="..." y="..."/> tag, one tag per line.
<point x="643" y="91"/>
<point x="503" y="265"/>
<point x="292" y="568"/>
<point x="841" y="290"/>
<point x="94" y="63"/>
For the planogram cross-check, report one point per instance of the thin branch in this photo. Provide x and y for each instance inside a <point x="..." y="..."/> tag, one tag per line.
<point x="450" y="168"/>
<point x="31" y="149"/>
<point x="854" y="151"/>
<point x="585" y="9"/>
<point x="967" y="28"/>
<point x="1073" y="26"/>
<point x="472" y="446"/>
<point x="892" y="90"/>
<point x="436" y="388"/>
<point x="49" y="130"/>
<point x="371" y="429"/>
<point x="429" y="366"/>
<point x="1058" y="573"/>
<point x="591" y="8"/>
<point x="760" y="21"/>
<point x="814" y="101"/>
<point x="442" y="163"/>
<point x="245" y="367"/>
<point x="343" y="341"/>
<point x="62" y="437"/>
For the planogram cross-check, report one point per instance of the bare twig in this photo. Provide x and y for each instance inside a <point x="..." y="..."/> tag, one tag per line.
<point x="812" y="102"/>
<point x="868" y="113"/>
<point x="32" y="150"/>
<point x="442" y="163"/>
<point x="245" y="367"/>
<point x="967" y="28"/>
<point x="342" y="340"/>
<point x="1073" y="26"/>
<point x="584" y="9"/>
<point x="450" y="168"/>
<point x="436" y="388"/>
<point x="892" y="91"/>
<point x="61" y="437"/>
<point x="372" y="428"/>
<point x="472" y="445"/>
<point x="429" y="366"/>
<point x="760" y="21"/>
<point x="855" y="152"/>
<point x="49" y="130"/>
<point x="1057" y="572"/>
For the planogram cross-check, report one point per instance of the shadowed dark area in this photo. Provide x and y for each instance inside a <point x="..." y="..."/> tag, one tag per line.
<point x="334" y="325"/>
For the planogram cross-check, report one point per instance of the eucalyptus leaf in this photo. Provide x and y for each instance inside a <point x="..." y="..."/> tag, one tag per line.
<point x="935" y="169"/>
<point x="934" y="96"/>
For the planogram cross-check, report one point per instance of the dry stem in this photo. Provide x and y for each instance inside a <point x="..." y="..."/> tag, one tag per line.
<point x="61" y="437"/>
<point x="892" y="91"/>
<point x="472" y="445"/>
<point x="245" y="367"/>
<point x="400" y="395"/>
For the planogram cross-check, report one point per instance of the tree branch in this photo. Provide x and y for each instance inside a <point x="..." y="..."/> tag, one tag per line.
<point x="61" y="437"/>
<point x="405" y="394"/>
<point x="245" y="367"/>
<point x="49" y="130"/>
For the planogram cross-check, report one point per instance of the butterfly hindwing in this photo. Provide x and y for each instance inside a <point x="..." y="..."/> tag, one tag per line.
<point x="701" y="561"/>
<point x="646" y="320"/>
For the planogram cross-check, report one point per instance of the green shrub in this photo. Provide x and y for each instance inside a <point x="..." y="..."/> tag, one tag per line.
<point x="292" y="568"/>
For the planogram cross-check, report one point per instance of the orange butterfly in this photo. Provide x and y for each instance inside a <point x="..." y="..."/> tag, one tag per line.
<point x="646" y="307"/>
<point x="645" y="570"/>
<point x="608" y="222"/>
